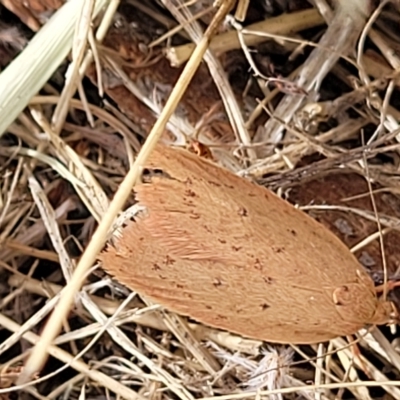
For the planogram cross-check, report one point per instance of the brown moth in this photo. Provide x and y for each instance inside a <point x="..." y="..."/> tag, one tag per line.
<point x="231" y="254"/>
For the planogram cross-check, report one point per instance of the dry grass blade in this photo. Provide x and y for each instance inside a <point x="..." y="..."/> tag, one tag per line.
<point x="282" y="25"/>
<point x="362" y="363"/>
<point x="127" y="344"/>
<point x="52" y="162"/>
<point x="339" y="39"/>
<point x="82" y="29"/>
<point x="66" y="358"/>
<point x="232" y="108"/>
<point x="185" y="335"/>
<point x="27" y="74"/>
<point x="36" y="231"/>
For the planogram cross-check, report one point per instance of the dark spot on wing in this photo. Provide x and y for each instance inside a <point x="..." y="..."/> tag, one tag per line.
<point x="190" y="193"/>
<point x="268" y="279"/>
<point x="156" y="267"/>
<point x="217" y="282"/>
<point x="169" y="261"/>
<point x="258" y="265"/>
<point x="214" y="183"/>
<point x="207" y="228"/>
<point x="242" y="212"/>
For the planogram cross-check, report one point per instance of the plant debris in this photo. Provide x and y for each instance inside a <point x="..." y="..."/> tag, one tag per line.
<point x="301" y="98"/>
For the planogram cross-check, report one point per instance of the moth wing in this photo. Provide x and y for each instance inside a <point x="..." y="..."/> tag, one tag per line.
<point x="232" y="255"/>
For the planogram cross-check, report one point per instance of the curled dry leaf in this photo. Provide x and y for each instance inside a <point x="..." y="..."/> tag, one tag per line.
<point x="232" y="255"/>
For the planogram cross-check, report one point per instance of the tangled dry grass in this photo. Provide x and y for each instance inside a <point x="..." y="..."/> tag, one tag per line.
<point x="300" y="98"/>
